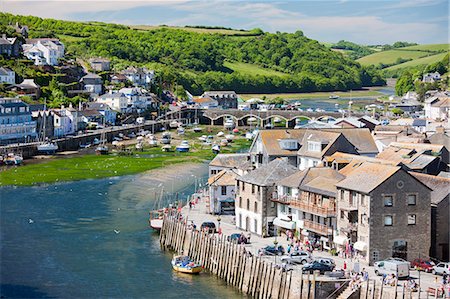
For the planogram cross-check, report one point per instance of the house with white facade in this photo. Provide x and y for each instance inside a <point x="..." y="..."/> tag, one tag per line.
<point x="437" y="107"/>
<point x="431" y="77"/>
<point x="139" y="76"/>
<point x="44" y="51"/>
<point x="205" y="103"/>
<point x="7" y="76"/>
<point x="255" y="210"/>
<point x="222" y="192"/>
<point x="92" y="83"/>
<point x="63" y="124"/>
<point x="116" y="101"/>
<point x="109" y="114"/>
<point x="240" y="163"/>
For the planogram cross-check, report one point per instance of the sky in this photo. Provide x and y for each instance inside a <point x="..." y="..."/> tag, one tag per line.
<point x="360" y="21"/>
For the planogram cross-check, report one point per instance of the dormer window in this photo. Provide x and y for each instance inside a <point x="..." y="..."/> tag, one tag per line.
<point x="314" y="146"/>
<point x="288" y="144"/>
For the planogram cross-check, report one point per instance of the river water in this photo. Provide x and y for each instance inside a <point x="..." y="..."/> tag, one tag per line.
<point x="60" y="241"/>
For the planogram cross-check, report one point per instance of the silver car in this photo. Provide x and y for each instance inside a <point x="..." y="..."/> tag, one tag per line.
<point x="297" y="257"/>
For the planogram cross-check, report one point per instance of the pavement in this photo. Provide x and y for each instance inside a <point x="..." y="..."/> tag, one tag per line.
<point x="199" y="214"/>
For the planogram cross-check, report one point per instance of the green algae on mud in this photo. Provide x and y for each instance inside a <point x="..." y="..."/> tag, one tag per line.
<point x="96" y="167"/>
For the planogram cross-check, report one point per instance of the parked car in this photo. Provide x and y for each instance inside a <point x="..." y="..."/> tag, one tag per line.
<point x="297" y="257"/>
<point x="423" y="265"/>
<point x="392" y="266"/>
<point x="315" y="265"/>
<point x="238" y="237"/>
<point x="272" y="250"/>
<point x="208" y="226"/>
<point x="441" y="268"/>
<point x="325" y="260"/>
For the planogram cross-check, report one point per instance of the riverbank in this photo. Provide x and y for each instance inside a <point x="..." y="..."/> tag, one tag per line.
<point x="91" y="166"/>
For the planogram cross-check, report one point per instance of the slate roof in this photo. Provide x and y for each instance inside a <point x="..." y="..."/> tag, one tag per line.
<point x="325" y="138"/>
<point x="361" y="138"/>
<point x="419" y="122"/>
<point x="116" y="95"/>
<point x="440" y="138"/>
<point x="270" y="140"/>
<point x="226" y="177"/>
<point x="4" y="71"/>
<point x="349" y="158"/>
<point x="370" y="119"/>
<point x="440" y="186"/>
<point x="322" y="185"/>
<point x="367" y="176"/>
<point x="270" y="173"/>
<point x="350" y="120"/>
<point x="240" y="161"/>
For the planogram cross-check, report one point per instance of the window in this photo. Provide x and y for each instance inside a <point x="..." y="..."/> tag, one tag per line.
<point x="375" y="256"/>
<point x="342" y="194"/>
<point x="272" y="204"/>
<point x="256" y="207"/>
<point x="283" y="208"/>
<point x="388" y="220"/>
<point x="314" y="146"/>
<point x="240" y="221"/>
<point x="248" y="204"/>
<point x="224" y="190"/>
<point x="342" y="215"/>
<point x="412" y="219"/>
<point x="240" y="202"/>
<point x="315" y="163"/>
<point x="388" y="201"/>
<point x="289" y="210"/>
<point x="253" y="189"/>
<point x="243" y="186"/>
<point x="411" y="199"/>
<point x="21" y="109"/>
<point x="255" y="227"/>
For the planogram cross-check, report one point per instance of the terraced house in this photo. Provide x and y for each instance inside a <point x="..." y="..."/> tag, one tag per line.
<point x="383" y="211"/>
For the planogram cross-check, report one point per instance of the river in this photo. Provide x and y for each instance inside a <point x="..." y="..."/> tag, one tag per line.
<point x="90" y="239"/>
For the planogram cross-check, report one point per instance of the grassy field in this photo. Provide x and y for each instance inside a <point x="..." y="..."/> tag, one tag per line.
<point x="390" y="56"/>
<point x="429" y="47"/>
<point x="95" y="167"/>
<point x="198" y="30"/>
<point x="251" y="69"/>
<point x="421" y="61"/>
<point x="313" y="95"/>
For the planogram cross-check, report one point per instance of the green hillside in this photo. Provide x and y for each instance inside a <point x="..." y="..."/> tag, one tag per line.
<point x="429" y="47"/>
<point x="210" y="58"/>
<point x="391" y="56"/>
<point x="418" y="62"/>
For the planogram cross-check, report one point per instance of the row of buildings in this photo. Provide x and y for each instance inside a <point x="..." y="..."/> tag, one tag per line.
<point x="333" y="187"/>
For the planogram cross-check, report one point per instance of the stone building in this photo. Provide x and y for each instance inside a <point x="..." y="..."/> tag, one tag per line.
<point x="382" y="211"/>
<point x="255" y="211"/>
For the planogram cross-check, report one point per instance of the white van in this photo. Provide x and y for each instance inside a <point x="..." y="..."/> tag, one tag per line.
<point x="399" y="268"/>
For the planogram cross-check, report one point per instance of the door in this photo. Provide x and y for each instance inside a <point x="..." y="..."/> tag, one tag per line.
<point x="400" y="249"/>
<point x="247" y="224"/>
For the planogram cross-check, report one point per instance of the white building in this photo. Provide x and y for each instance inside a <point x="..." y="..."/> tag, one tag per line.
<point x="7" y="76"/>
<point x="92" y="83"/>
<point x="431" y="77"/>
<point x="116" y="101"/>
<point x="139" y="76"/>
<point x="240" y="163"/>
<point x="43" y="51"/>
<point x="437" y="108"/>
<point x="222" y="192"/>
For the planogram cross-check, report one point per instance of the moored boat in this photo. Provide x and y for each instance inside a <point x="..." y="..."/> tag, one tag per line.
<point x="183" y="264"/>
<point x="216" y="148"/>
<point x="197" y="129"/>
<point x="173" y="124"/>
<point x="183" y="147"/>
<point x="102" y="150"/>
<point x="333" y="97"/>
<point x="47" y="147"/>
<point x="229" y="124"/>
<point x="156" y="219"/>
<point x="13" y="159"/>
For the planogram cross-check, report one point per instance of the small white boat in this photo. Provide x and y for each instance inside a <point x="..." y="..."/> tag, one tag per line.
<point x="202" y="138"/>
<point x="183" y="147"/>
<point x="220" y="134"/>
<point x="276" y="120"/>
<point x="309" y="110"/>
<point x="229" y="137"/>
<point x="173" y="124"/>
<point x="333" y="97"/>
<point x="223" y="142"/>
<point x="166" y="138"/>
<point x="166" y="148"/>
<point x="139" y="146"/>
<point x="249" y="136"/>
<point x="13" y="159"/>
<point x="96" y="141"/>
<point x="47" y="147"/>
<point x="197" y="129"/>
<point x="180" y="131"/>
<point x="87" y="145"/>
<point x="216" y="148"/>
<point x="152" y="142"/>
<point x="252" y="120"/>
<point x="115" y="143"/>
<point x="229" y="124"/>
<point x="268" y="126"/>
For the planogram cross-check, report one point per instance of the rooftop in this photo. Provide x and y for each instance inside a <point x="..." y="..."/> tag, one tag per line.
<point x="239" y="161"/>
<point x="226" y="177"/>
<point x="270" y="173"/>
<point x="315" y="177"/>
<point x="439" y="185"/>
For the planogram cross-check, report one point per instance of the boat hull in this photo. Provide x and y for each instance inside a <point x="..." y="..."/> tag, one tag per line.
<point x="188" y="270"/>
<point x="182" y="149"/>
<point x="156" y="224"/>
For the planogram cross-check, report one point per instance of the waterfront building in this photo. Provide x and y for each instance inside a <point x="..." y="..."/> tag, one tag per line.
<point x="440" y="210"/>
<point x="437" y="107"/>
<point x="62" y="123"/>
<point x="225" y="99"/>
<point x="205" y="103"/>
<point x="40" y="116"/>
<point x="116" y="101"/>
<point x="109" y="114"/>
<point x="7" y="76"/>
<point x="237" y="162"/>
<point x="16" y="124"/>
<point x="222" y="192"/>
<point x="382" y="211"/>
<point x="138" y="99"/>
<point x="255" y="210"/>
<point x="306" y="203"/>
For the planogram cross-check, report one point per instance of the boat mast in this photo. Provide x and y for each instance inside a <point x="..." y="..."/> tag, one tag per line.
<point x="45" y="119"/>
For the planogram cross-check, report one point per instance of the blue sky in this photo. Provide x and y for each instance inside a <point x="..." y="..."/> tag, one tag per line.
<point x="361" y="21"/>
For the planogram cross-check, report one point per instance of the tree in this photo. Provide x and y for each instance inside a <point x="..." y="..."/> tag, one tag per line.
<point x="397" y="111"/>
<point x="404" y="84"/>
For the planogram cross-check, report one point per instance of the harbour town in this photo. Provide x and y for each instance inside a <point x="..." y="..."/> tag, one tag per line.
<point x="142" y="161"/>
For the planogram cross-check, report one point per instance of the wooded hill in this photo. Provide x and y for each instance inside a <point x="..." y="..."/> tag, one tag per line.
<point x="256" y="62"/>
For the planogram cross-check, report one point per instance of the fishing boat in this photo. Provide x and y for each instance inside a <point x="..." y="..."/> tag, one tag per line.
<point x="223" y="142"/>
<point x="215" y="148"/>
<point x="183" y="264"/>
<point x="333" y="97"/>
<point x="166" y="138"/>
<point x="139" y="146"/>
<point x="183" y="147"/>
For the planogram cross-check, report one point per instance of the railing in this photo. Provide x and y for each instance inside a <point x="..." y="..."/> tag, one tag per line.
<point x="285" y="199"/>
<point x="349" y="227"/>
<point x="317" y="227"/>
<point x="339" y="290"/>
<point x="313" y="209"/>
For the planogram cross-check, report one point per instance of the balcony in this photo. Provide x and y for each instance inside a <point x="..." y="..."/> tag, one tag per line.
<point x="313" y="209"/>
<point x="284" y="199"/>
<point x="350" y="227"/>
<point x="321" y="229"/>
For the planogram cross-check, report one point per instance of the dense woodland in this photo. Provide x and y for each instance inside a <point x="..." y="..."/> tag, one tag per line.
<point x="196" y="60"/>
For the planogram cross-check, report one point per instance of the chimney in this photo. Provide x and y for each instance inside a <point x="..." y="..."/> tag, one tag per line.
<point x="70" y="105"/>
<point x="440" y="129"/>
<point x="4" y="35"/>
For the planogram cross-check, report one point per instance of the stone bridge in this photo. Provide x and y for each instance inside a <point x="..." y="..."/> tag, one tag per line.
<point x="216" y="116"/>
